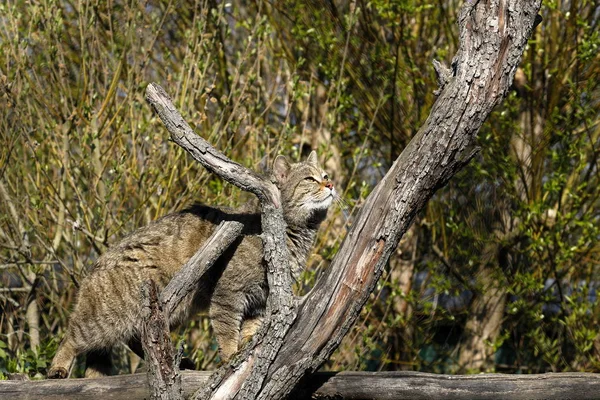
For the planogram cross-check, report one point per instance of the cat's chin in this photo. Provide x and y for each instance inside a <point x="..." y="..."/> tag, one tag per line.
<point x="322" y="204"/>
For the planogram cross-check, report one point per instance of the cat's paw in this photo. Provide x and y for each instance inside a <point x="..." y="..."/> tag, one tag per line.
<point x="57" y="373"/>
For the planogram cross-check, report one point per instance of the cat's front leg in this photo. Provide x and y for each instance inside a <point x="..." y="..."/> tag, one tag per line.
<point x="249" y="328"/>
<point x="226" y="321"/>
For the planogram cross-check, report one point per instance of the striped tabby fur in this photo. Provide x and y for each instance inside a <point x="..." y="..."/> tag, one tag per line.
<point x="233" y="292"/>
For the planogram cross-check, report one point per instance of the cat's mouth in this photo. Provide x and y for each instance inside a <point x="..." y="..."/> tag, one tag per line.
<point x="325" y="202"/>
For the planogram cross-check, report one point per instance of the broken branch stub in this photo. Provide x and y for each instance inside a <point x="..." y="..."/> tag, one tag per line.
<point x="163" y="368"/>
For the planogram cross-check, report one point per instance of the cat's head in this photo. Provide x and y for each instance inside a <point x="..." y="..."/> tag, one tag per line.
<point x="306" y="191"/>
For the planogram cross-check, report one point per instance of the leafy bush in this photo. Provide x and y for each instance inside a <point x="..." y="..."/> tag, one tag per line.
<point x="84" y="161"/>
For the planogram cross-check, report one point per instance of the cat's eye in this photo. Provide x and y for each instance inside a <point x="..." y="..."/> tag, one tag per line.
<point x="310" y="178"/>
<point x="326" y="177"/>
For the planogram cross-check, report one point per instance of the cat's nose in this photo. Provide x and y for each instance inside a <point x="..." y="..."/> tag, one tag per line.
<point x="329" y="185"/>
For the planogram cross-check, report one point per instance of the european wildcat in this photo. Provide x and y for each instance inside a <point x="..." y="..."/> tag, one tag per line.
<point x="234" y="291"/>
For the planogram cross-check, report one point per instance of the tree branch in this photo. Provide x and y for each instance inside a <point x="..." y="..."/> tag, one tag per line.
<point x="163" y="369"/>
<point x="493" y="36"/>
<point x="187" y="278"/>
<point x="212" y="159"/>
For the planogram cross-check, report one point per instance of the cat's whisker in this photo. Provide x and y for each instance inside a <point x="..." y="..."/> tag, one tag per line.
<point x="341" y="202"/>
<point x="344" y="207"/>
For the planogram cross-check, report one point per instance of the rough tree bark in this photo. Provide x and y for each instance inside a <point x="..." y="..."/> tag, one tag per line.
<point x="493" y="36"/>
<point x="163" y="367"/>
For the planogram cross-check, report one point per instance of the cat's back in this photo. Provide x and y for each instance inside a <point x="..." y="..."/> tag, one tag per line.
<point x="169" y="242"/>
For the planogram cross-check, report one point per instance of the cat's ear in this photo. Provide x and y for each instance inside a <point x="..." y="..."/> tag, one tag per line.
<point x="313" y="158"/>
<point x="281" y="168"/>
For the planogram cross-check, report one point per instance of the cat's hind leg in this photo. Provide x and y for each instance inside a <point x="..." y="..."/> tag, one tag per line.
<point x="95" y="326"/>
<point x="79" y="340"/>
<point x="63" y="360"/>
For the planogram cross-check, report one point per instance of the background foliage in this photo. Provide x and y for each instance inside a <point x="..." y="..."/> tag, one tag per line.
<point x="499" y="273"/>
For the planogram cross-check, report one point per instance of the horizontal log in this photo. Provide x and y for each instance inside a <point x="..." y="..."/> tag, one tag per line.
<point x="342" y="385"/>
<point x="419" y="385"/>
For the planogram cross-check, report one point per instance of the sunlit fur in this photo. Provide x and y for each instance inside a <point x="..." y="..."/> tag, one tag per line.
<point x="234" y="291"/>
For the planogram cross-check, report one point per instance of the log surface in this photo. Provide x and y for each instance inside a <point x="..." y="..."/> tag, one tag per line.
<point x="342" y="385"/>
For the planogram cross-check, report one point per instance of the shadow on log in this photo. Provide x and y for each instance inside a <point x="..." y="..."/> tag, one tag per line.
<point x="326" y="385"/>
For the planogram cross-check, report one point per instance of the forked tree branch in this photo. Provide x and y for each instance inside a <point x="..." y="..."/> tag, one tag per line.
<point x="493" y="36"/>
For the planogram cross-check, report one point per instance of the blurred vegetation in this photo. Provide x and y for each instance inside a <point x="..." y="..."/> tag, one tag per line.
<point x="498" y="273"/>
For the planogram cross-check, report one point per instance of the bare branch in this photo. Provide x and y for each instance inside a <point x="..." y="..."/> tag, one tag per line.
<point x="204" y="153"/>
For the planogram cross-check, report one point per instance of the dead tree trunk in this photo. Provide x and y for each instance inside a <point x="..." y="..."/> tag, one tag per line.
<point x="299" y="336"/>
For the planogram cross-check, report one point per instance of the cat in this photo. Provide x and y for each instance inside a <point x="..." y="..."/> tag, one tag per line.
<point x="234" y="291"/>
